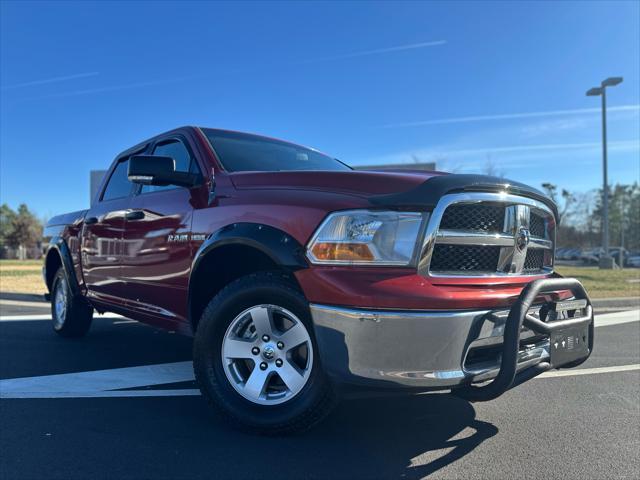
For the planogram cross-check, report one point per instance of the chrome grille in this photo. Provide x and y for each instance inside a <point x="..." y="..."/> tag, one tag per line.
<point x="536" y="225"/>
<point x="486" y="218"/>
<point x="464" y="258"/>
<point x="473" y="234"/>
<point x="534" y="261"/>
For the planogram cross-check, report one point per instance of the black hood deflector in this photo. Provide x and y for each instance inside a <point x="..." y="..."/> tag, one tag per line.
<point x="429" y="193"/>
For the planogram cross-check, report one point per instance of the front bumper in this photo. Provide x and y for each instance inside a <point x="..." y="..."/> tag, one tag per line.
<point x="442" y="349"/>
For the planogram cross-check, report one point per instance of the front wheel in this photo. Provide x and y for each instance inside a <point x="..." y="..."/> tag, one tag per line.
<point x="255" y="357"/>
<point x="71" y="316"/>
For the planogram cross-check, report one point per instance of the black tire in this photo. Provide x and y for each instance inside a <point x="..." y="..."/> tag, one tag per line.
<point x="308" y="407"/>
<point x="74" y="319"/>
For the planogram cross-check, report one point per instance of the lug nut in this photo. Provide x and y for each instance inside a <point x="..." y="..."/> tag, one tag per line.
<point x="255" y="350"/>
<point x="280" y="345"/>
<point x="279" y="362"/>
<point x="265" y="338"/>
<point x="263" y="366"/>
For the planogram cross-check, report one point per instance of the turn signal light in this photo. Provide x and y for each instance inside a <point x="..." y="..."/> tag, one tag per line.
<point x="328" y="251"/>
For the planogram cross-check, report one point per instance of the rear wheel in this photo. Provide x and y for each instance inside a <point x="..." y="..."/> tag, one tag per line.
<point x="71" y="315"/>
<point x="255" y="357"/>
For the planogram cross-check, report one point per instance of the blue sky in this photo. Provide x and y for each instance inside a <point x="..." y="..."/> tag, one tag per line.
<point x="463" y="84"/>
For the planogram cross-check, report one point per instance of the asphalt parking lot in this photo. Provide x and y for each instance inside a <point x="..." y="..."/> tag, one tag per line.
<point x="137" y="414"/>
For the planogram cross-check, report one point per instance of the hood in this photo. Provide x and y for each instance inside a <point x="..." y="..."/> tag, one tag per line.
<point x="354" y="182"/>
<point x="71" y="218"/>
<point x="428" y="193"/>
<point x="389" y="188"/>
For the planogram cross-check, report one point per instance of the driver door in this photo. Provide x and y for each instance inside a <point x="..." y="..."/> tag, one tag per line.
<point x="157" y="247"/>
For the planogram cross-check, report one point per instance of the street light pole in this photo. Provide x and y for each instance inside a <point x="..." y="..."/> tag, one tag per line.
<point x="622" y="225"/>
<point x="605" y="259"/>
<point x="605" y="177"/>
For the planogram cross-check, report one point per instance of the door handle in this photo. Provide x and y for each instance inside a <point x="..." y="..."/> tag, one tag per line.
<point x="90" y="220"/>
<point x="134" y="215"/>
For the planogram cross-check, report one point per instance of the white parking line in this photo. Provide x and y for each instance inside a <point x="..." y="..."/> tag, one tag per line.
<point x="108" y="383"/>
<point x="617" y="318"/>
<point x="187" y="392"/>
<point x="29" y="318"/>
<point x="97" y="381"/>
<point x="24" y="303"/>
<point x="589" y="371"/>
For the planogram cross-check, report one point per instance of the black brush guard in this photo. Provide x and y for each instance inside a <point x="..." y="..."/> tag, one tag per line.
<point x="508" y="377"/>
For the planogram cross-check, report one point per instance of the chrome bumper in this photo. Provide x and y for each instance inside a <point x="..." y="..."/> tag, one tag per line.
<point x="441" y="350"/>
<point x="424" y="349"/>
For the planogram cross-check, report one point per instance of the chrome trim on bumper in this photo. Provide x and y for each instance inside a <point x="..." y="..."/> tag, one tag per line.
<point x="425" y="349"/>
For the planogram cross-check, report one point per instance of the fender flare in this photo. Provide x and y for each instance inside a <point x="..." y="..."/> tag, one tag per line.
<point x="284" y="250"/>
<point x="60" y="246"/>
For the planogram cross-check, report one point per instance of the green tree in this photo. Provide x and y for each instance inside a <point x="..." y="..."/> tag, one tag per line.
<point x="6" y="223"/>
<point x="25" y="229"/>
<point x="624" y="215"/>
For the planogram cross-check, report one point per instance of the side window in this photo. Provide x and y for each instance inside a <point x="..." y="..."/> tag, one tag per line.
<point x="184" y="163"/>
<point x="119" y="185"/>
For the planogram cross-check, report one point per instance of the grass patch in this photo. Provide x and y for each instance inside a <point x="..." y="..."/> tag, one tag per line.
<point x="21" y="276"/>
<point x="605" y="283"/>
<point x="20" y="263"/>
<point x="18" y="273"/>
<point x="18" y="276"/>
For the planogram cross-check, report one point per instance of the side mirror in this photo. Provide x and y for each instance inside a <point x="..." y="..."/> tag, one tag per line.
<point x="156" y="170"/>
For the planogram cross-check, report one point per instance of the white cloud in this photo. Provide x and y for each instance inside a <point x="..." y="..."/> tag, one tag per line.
<point x="555" y="126"/>
<point x="517" y="154"/>
<point x="50" y="80"/>
<point x="512" y="116"/>
<point x="378" y="51"/>
<point x="112" y="88"/>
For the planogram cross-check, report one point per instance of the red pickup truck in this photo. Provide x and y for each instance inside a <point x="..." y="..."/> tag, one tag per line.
<point x="298" y="276"/>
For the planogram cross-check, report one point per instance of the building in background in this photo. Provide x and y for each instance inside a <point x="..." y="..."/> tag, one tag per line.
<point x="398" y="166"/>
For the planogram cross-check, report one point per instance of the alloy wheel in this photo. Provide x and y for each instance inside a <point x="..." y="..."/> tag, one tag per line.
<point x="60" y="301"/>
<point x="267" y="354"/>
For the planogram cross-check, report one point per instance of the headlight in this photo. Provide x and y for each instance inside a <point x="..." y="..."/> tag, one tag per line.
<point x="366" y="237"/>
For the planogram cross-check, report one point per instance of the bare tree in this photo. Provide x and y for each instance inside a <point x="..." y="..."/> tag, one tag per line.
<point x="490" y="168"/>
<point x="565" y="201"/>
<point x="439" y="160"/>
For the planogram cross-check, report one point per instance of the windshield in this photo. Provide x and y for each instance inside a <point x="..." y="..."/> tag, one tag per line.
<point x="242" y="152"/>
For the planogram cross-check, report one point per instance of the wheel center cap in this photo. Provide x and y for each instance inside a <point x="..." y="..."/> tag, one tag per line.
<point x="268" y="352"/>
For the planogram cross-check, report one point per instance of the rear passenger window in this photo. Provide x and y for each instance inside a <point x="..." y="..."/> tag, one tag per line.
<point x="184" y="163"/>
<point x="119" y="185"/>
